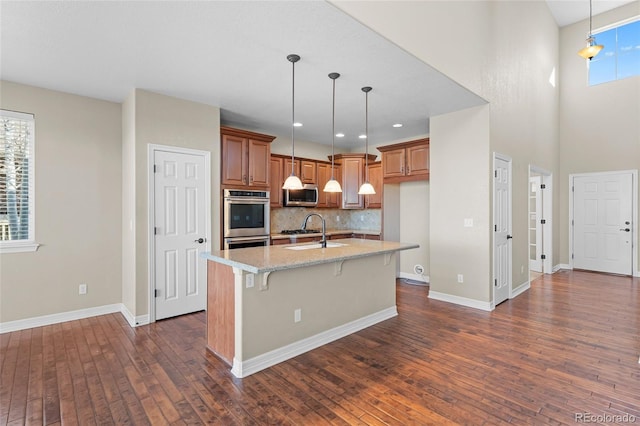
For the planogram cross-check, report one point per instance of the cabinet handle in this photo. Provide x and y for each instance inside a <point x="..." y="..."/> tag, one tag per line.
<point x="244" y="178"/>
<point x="250" y="179"/>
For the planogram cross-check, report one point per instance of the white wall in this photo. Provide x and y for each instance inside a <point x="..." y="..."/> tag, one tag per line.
<point x="77" y="206"/>
<point x="599" y="125"/>
<point x="487" y="38"/>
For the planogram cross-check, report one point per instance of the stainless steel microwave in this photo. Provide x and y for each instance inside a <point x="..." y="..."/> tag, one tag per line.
<point x="305" y="197"/>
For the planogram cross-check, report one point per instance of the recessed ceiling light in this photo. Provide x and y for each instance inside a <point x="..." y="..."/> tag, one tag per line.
<point x="397" y="125"/>
<point x="339" y="135"/>
<point x="297" y="124"/>
<point x="362" y="136"/>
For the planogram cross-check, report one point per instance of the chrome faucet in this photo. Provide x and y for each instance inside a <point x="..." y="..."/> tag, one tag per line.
<point x="323" y="241"/>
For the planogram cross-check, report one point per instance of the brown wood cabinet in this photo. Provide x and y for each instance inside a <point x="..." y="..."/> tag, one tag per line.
<point x="245" y="158"/>
<point x="405" y="162"/>
<point x="375" y="179"/>
<point x="327" y="199"/>
<point x="276" y="170"/>
<point x="308" y="172"/>
<point x="353" y="166"/>
<point x="287" y="167"/>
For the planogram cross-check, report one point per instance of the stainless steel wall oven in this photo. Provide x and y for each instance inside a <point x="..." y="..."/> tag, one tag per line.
<point x="245" y="218"/>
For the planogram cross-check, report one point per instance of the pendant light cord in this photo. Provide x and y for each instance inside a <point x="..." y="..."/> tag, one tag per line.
<point x="590" y="17"/>
<point x="333" y="125"/>
<point x="366" y="133"/>
<point x="293" y="113"/>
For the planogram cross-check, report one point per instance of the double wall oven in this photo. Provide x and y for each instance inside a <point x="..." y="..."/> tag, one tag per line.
<point x="245" y="218"/>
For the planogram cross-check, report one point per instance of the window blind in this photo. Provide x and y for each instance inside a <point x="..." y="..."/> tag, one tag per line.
<point x="16" y="176"/>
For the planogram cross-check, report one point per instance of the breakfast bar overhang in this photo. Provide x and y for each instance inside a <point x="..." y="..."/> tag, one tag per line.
<point x="268" y="304"/>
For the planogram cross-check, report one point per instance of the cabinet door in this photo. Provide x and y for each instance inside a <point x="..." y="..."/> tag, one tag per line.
<point x="352" y="171"/>
<point x="258" y="163"/>
<point x="393" y="162"/>
<point x="308" y="171"/>
<point x="276" y="181"/>
<point x="287" y="167"/>
<point x="234" y="164"/>
<point x="327" y="199"/>
<point x="375" y="179"/>
<point x="418" y="160"/>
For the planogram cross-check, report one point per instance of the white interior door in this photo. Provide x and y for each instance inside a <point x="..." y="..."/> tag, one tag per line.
<point x="180" y="233"/>
<point x="602" y="225"/>
<point x="502" y="229"/>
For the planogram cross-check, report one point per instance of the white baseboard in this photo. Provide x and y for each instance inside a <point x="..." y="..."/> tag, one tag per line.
<point x="414" y="277"/>
<point x="43" y="320"/>
<point x="458" y="300"/>
<point x="133" y="320"/>
<point x="242" y="369"/>
<point x="520" y="289"/>
<point x="560" y="266"/>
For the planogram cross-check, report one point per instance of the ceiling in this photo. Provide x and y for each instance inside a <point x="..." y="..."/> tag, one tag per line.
<point x="232" y="54"/>
<point x="567" y="12"/>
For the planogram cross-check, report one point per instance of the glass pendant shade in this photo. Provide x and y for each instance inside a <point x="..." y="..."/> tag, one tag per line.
<point x="366" y="189"/>
<point x="332" y="186"/>
<point x="591" y="50"/>
<point x="292" y="182"/>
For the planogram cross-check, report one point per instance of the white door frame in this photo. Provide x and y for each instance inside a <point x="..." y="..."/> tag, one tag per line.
<point x="634" y="214"/>
<point x="547" y="212"/>
<point x="509" y="160"/>
<point x="151" y="252"/>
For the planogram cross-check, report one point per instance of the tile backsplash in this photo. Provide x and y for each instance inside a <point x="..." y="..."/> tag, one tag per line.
<point x="292" y="217"/>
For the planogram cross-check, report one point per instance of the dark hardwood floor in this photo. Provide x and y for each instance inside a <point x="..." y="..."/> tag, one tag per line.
<point x="568" y="345"/>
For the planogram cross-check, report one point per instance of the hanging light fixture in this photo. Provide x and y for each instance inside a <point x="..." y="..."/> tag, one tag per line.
<point x="366" y="188"/>
<point x="332" y="184"/>
<point x="592" y="48"/>
<point x="293" y="181"/>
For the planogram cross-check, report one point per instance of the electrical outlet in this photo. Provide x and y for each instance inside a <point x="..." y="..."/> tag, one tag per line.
<point x="337" y="218"/>
<point x="250" y="280"/>
<point x="297" y="315"/>
<point x="522" y="269"/>
<point x="82" y="289"/>
<point x="468" y="222"/>
<point x="460" y="278"/>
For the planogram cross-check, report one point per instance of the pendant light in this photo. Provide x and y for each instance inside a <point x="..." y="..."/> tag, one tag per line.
<point x="366" y="188"/>
<point x="293" y="181"/>
<point x="592" y="48"/>
<point x="332" y="184"/>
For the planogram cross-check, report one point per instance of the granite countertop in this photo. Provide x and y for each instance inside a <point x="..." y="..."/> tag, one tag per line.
<point x="329" y="232"/>
<point x="276" y="258"/>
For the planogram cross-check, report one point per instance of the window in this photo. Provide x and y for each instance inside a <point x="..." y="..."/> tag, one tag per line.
<point x="17" y="231"/>
<point x="620" y="57"/>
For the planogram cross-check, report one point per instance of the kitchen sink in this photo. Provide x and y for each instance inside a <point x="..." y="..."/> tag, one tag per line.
<point x="313" y="246"/>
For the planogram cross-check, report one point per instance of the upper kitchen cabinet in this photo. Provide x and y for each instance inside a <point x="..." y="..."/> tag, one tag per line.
<point x="405" y="162"/>
<point x="287" y="167"/>
<point x="245" y="158"/>
<point x="353" y="173"/>
<point x="374" y="201"/>
<point x="308" y="171"/>
<point x="327" y="199"/>
<point x="276" y="170"/>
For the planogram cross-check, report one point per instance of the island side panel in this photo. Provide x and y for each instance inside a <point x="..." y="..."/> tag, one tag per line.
<point x="363" y="287"/>
<point x="220" y="310"/>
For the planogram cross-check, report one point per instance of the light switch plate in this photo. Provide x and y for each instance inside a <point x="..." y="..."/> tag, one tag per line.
<point x="468" y="222"/>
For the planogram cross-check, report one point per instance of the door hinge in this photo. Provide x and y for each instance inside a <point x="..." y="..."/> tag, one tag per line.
<point x="495" y="282"/>
<point x="573" y="189"/>
<point x="495" y="228"/>
<point x="571" y="222"/>
<point x="155" y="230"/>
<point x="543" y="256"/>
<point x="495" y="173"/>
<point x="156" y="293"/>
<point x="543" y="221"/>
<point x="543" y="186"/>
<point x="572" y="255"/>
<point x="155" y="169"/>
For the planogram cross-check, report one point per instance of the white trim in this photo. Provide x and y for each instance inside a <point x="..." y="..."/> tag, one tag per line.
<point x="20" y="246"/>
<point x="414" y="277"/>
<point x="43" y="320"/>
<point x="242" y="369"/>
<point x="520" y="289"/>
<point x="151" y="149"/>
<point x="561" y="266"/>
<point x="133" y="320"/>
<point x="463" y="301"/>
<point x="635" y="270"/>
<point x="546" y="178"/>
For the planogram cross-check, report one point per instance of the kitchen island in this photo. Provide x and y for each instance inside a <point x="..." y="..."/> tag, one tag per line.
<point x="268" y="304"/>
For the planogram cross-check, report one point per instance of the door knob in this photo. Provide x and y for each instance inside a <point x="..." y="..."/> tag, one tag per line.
<point x="200" y="240"/>
<point x="625" y="229"/>
<point x="509" y="237"/>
